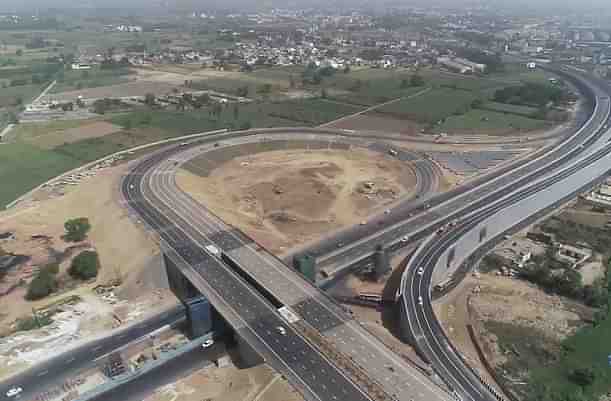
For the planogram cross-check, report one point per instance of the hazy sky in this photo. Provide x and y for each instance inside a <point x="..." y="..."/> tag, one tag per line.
<point x="584" y="6"/>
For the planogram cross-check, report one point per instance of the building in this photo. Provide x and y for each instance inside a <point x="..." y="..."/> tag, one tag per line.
<point x="80" y="66"/>
<point x="461" y="65"/>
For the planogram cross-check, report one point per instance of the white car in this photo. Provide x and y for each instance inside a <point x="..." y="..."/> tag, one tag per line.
<point x="387" y="211"/>
<point x="420" y="301"/>
<point x="131" y="186"/>
<point x="363" y="222"/>
<point x="281" y="330"/>
<point x="420" y="271"/>
<point x="208" y="343"/>
<point x="14" y="392"/>
<point x="405" y="239"/>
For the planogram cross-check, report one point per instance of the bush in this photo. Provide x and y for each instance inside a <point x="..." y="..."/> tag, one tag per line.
<point x="85" y="265"/>
<point x="32" y="322"/>
<point x="42" y="285"/>
<point x="76" y="229"/>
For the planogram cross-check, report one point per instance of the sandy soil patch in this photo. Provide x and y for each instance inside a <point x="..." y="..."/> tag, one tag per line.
<point x="286" y="198"/>
<point x="507" y="300"/>
<point x="52" y="139"/>
<point x="228" y="384"/>
<point x="125" y="250"/>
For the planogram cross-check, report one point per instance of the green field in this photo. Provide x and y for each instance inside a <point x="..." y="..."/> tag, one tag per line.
<point x="482" y="120"/>
<point x="25" y="167"/>
<point x="509" y="108"/>
<point x="589" y="348"/>
<point x="19" y="94"/>
<point x="431" y="107"/>
<point x="96" y="77"/>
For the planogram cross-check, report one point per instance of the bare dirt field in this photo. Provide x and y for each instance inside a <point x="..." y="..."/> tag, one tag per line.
<point x="126" y="254"/>
<point x="259" y="383"/>
<point x="378" y="122"/>
<point x="286" y="198"/>
<point x="124" y="249"/>
<point x="50" y="140"/>
<point x="138" y="88"/>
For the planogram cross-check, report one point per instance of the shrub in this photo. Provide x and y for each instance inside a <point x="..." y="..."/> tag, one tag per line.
<point x="42" y="285"/>
<point x="85" y="265"/>
<point x="32" y="322"/>
<point x="76" y="229"/>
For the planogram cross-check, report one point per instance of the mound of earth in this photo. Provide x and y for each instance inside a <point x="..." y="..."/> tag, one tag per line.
<point x="286" y="198"/>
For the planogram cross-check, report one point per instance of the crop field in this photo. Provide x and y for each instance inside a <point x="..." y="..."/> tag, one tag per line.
<point x="525" y="111"/>
<point x="77" y="79"/>
<point x="431" y="107"/>
<point x="311" y="111"/>
<point x="19" y="94"/>
<point x="489" y="122"/>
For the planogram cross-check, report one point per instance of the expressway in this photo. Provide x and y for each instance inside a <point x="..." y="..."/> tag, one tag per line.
<point x="186" y="228"/>
<point x="515" y="210"/>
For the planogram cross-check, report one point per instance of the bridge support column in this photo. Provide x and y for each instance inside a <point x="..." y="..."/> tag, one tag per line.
<point x="381" y="264"/>
<point x="248" y="356"/>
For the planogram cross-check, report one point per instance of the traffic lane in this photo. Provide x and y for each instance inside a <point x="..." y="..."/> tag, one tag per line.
<point x="56" y="370"/>
<point x="254" y="309"/>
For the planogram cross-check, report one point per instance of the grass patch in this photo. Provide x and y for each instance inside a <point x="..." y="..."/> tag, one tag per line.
<point x="491" y="121"/>
<point x="93" y="78"/>
<point x="526" y="349"/>
<point x="587" y="349"/>
<point x="525" y="111"/>
<point x="432" y="106"/>
<point x="24" y="166"/>
<point x="16" y="95"/>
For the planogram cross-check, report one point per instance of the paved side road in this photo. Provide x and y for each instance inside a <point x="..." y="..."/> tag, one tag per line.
<point x="55" y="370"/>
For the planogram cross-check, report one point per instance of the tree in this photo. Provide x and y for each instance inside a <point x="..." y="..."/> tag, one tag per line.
<point x="291" y="81"/>
<point x="582" y="376"/>
<point x="477" y="103"/>
<point x="346" y="69"/>
<point x="76" y="229"/>
<point x="85" y="265"/>
<point x="416" y="80"/>
<point x="19" y="53"/>
<point x="246" y="125"/>
<point x="242" y="91"/>
<point x="323" y="93"/>
<point x="236" y="111"/>
<point x="149" y="99"/>
<point x="43" y="284"/>
<point x="264" y="89"/>
<point x="404" y="84"/>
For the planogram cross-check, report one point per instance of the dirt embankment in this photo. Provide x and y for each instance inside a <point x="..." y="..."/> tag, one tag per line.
<point x="286" y="198"/>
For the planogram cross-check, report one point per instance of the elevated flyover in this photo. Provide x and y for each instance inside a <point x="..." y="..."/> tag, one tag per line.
<point x="326" y="354"/>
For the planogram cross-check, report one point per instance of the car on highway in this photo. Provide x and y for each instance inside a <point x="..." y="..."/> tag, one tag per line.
<point x="405" y="239"/>
<point x="420" y="271"/>
<point x="14" y="392"/>
<point x="131" y="186"/>
<point x="387" y="211"/>
<point x="420" y="300"/>
<point x="281" y="330"/>
<point x="208" y="343"/>
<point x="363" y="222"/>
